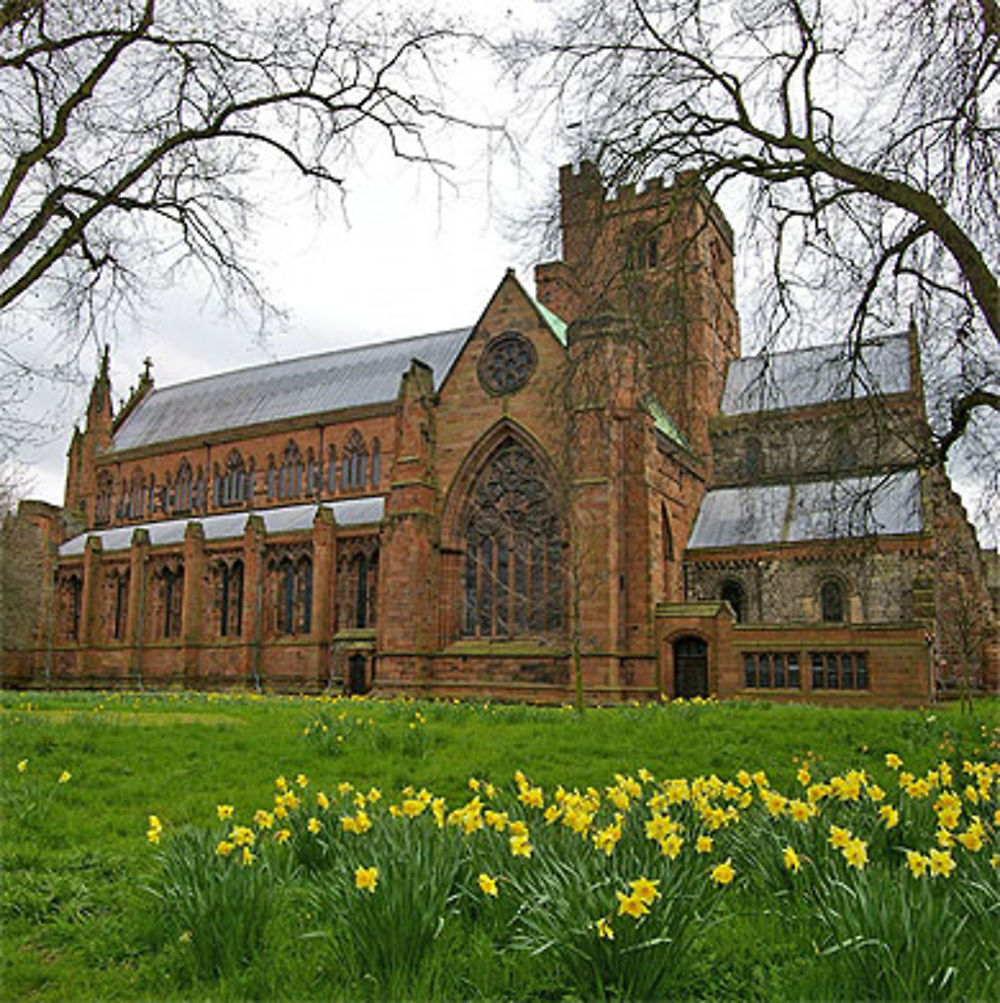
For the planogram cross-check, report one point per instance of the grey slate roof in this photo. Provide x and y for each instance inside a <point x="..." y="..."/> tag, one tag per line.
<point x="817" y="375"/>
<point x="288" y="519"/>
<point x="350" y="377"/>
<point x="820" y="510"/>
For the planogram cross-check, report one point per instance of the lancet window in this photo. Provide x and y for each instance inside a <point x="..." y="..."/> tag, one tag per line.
<point x="71" y="607"/>
<point x="103" y="500"/>
<point x="290" y="473"/>
<point x="292" y="590"/>
<point x="357" y="584"/>
<point x="514" y="558"/>
<point x="232" y="485"/>
<point x="354" y="463"/>
<point x="229" y="597"/>
<point x="171" y="599"/>
<point x="117" y="603"/>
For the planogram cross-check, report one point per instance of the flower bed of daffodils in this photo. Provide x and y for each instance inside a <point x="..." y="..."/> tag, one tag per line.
<point x="894" y="882"/>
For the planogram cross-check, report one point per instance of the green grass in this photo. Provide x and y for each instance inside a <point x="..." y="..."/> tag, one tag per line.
<point x="78" y="919"/>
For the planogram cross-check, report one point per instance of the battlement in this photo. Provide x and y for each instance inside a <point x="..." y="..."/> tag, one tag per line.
<point x="583" y="196"/>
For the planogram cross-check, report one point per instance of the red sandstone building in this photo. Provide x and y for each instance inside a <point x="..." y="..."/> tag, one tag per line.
<point x="588" y="490"/>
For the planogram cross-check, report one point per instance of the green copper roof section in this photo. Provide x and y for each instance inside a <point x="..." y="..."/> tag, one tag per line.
<point x="556" y="324"/>
<point x="663" y="422"/>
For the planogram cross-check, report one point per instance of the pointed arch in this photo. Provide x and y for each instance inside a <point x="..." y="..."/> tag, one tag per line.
<point x="512" y="536"/>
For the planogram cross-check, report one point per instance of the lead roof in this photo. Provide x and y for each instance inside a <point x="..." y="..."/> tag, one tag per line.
<point x="817" y="375"/>
<point x="314" y="384"/>
<point x="887" y="505"/>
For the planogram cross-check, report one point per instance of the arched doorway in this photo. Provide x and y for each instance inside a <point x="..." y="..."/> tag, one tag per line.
<point x="690" y="668"/>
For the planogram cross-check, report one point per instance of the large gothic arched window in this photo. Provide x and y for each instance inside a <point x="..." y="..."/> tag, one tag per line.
<point x="514" y="561"/>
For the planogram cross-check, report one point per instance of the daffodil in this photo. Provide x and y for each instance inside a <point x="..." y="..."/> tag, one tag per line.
<point x="283" y="835"/>
<point x="314" y="825"/>
<point x="645" y="890"/>
<point x="22" y="765"/>
<point x="893" y="761"/>
<point x="224" y="811"/>
<point x="889" y="816"/>
<point x="488" y="885"/>
<point x="704" y="844"/>
<point x="604" y="929"/>
<point x="856" y="853"/>
<point x="723" y="874"/>
<point x="366" y="877"/>
<point x="631" y="905"/>
<point x="839" y="838"/>
<point x="941" y="863"/>
<point x="520" y="847"/>
<point x="671" y="846"/>
<point x="65" y="776"/>
<point x="791" y="860"/>
<point x="917" y="863"/>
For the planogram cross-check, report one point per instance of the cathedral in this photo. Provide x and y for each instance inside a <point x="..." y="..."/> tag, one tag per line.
<point x="585" y="494"/>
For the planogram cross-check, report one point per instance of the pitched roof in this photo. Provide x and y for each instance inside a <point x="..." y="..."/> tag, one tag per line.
<point x="817" y="375"/>
<point x="229" y="525"/>
<point x="819" y="510"/>
<point x="349" y="377"/>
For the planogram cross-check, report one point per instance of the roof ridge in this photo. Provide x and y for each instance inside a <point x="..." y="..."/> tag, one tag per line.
<point x="826" y="345"/>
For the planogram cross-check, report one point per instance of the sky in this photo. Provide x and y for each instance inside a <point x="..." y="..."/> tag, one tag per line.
<point x="403" y="253"/>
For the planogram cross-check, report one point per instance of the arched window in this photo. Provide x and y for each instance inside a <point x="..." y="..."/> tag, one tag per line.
<point x="181" y="495"/>
<point x="136" y="496"/>
<point x="120" y="593"/>
<point x="272" y="480"/>
<point x="172" y="597"/>
<point x="71" y="589"/>
<point x="230" y="598"/>
<point x="231" y="484"/>
<point x="331" y="470"/>
<point x="753" y="459"/>
<point x="290" y="473"/>
<point x="831" y="601"/>
<point x="514" y="573"/>
<point x="294" y="596"/>
<point x="643" y="250"/>
<point x="732" y="592"/>
<point x="103" y="501"/>
<point x="376" y="462"/>
<point x="357" y="581"/>
<point x="312" y="473"/>
<point x="354" y="463"/>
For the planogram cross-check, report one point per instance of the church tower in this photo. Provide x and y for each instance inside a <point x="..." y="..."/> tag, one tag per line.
<point x="663" y="257"/>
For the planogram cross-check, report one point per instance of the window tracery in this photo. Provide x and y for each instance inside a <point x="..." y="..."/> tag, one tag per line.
<point x="229" y="597"/>
<point x="232" y="485"/>
<point x="514" y="557"/>
<point x="290" y="573"/>
<point x="357" y="584"/>
<point x="354" y="463"/>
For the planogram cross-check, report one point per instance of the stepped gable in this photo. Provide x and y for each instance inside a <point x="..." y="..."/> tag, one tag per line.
<point x="315" y="384"/>
<point x="818" y="375"/>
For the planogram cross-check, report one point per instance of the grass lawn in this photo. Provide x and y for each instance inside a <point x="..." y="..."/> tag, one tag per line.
<point x="79" y="920"/>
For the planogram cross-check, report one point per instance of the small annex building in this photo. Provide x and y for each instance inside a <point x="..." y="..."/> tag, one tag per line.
<point x="586" y="490"/>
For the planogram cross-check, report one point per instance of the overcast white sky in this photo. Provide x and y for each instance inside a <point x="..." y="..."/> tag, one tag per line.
<point x="405" y="255"/>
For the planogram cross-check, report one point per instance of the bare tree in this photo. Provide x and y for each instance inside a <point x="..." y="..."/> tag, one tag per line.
<point x="130" y="129"/>
<point x="864" y="136"/>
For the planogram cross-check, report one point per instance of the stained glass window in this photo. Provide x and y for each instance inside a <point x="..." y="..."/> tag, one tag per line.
<point x="514" y="574"/>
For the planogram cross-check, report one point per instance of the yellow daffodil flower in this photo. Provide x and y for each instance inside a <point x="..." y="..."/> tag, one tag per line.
<point x="704" y="844"/>
<point x="723" y="874"/>
<point x="22" y="766"/>
<point x="917" y="863"/>
<point x="631" y="905"/>
<point x="366" y="878"/>
<point x="791" y="860"/>
<point x="224" y="811"/>
<point x="942" y="863"/>
<point x="604" y="929"/>
<point x="488" y="885"/>
<point x="645" y="890"/>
